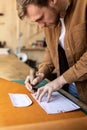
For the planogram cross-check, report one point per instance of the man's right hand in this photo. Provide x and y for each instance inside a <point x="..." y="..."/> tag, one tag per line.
<point x="29" y="80"/>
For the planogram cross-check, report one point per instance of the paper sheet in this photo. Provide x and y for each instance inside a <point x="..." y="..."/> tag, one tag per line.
<point x="57" y="104"/>
<point x="20" y="100"/>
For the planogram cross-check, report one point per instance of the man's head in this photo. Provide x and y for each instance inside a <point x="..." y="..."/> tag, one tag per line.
<point x="44" y="12"/>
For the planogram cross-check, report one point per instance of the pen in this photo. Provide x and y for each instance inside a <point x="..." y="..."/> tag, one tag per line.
<point x="32" y="76"/>
<point x="34" y="87"/>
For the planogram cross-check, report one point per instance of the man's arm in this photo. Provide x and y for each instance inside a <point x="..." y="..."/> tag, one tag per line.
<point x="46" y="66"/>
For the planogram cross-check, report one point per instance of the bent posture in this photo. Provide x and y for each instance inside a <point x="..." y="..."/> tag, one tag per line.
<point x="65" y="25"/>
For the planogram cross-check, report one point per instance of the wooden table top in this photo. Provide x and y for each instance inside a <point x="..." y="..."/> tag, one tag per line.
<point x="11" y="116"/>
<point x="68" y="124"/>
<point x="11" y="68"/>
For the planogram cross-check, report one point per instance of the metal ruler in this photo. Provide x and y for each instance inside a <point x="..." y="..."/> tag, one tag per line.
<point x="82" y="105"/>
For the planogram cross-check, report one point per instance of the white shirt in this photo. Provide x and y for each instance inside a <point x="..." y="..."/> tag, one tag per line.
<point x="62" y="35"/>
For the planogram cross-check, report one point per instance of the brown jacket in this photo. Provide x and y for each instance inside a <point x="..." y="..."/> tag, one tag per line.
<point x="75" y="45"/>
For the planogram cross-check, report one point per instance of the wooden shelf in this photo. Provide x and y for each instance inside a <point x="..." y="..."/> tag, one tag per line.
<point x="33" y="49"/>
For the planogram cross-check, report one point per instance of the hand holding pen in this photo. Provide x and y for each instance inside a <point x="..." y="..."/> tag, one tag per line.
<point x="32" y="80"/>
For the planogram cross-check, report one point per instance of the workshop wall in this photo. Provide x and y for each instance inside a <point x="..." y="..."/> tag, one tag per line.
<point x="11" y="26"/>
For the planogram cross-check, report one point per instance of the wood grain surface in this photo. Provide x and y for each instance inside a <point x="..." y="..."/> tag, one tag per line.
<point x="11" y="68"/>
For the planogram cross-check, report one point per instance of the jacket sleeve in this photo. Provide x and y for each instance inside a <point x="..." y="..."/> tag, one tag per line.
<point x="46" y="66"/>
<point x="78" y="72"/>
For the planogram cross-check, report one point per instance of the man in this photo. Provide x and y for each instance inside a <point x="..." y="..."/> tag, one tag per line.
<point x="65" y="26"/>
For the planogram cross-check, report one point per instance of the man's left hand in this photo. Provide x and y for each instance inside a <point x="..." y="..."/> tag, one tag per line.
<point x="50" y="87"/>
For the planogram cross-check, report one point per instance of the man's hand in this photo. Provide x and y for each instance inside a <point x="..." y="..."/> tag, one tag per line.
<point x="50" y="87"/>
<point x="33" y="80"/>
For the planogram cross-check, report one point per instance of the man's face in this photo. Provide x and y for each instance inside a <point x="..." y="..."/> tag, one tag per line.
<point x="44" y="16"/>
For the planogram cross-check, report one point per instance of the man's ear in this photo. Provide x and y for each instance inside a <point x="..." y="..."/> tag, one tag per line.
<point x="52" y="2"/>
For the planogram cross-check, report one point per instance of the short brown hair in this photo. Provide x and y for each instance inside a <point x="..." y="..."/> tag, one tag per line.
<point x="22" y="4"/>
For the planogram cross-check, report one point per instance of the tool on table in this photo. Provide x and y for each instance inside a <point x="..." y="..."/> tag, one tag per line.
<point x="32" y="76"/>
<point x="82" y="105"/>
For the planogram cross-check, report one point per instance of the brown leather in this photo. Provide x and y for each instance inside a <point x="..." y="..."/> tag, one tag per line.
<point x="69" y="124"/>
<point x="12" y="116"/>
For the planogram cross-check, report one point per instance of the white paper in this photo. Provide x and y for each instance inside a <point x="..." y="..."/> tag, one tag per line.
<point x="57" y="104"/>
<point x="20" y="100"/>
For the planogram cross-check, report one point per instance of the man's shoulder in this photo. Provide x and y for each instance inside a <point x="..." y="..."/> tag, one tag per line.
<point x="51" y="28"/>
<point x="50" y="31"/>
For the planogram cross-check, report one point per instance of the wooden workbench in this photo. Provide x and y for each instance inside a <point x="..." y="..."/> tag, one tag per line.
<point x="11" y="68"/>
<point x="33" y="116"/>
<point x="68" y="124"/>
